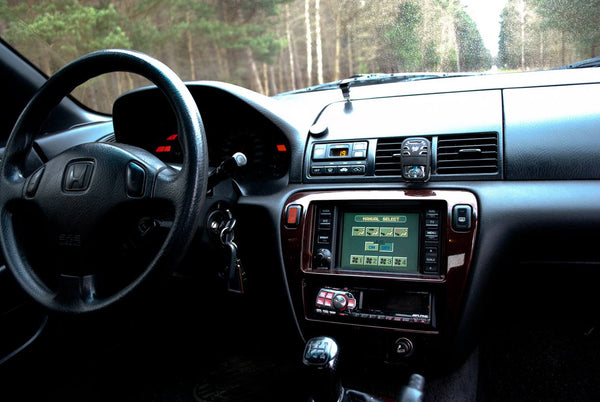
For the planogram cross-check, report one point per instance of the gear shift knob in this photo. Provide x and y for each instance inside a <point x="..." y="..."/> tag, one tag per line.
<point x="321" y="359"/>
<point x="321" y="352"/>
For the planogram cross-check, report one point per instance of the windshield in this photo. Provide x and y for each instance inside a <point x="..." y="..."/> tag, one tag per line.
<point x="274" y="46"/>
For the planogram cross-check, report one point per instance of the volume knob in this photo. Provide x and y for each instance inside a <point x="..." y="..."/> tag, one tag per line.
<point x="340" y="302"/>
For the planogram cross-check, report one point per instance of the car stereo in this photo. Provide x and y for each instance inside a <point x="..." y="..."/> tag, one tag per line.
<point x="378" y="238"/>
<point x="375" y="306"/>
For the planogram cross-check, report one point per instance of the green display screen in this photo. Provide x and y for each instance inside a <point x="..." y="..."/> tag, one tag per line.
<point x="381" y="242"/>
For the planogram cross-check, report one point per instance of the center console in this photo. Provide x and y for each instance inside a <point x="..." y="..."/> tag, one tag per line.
<point x="393" y="262"/>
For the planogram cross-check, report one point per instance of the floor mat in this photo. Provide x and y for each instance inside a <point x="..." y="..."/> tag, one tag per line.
<point x="243" y="379"/>
<point x="542" y="362"/>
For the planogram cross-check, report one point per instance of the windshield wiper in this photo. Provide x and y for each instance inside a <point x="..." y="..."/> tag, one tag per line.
<point x="593" y="62"/>
<point x="376" y="78"/>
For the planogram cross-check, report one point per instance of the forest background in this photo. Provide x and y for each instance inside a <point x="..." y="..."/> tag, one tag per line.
<point x="273" y="46"/>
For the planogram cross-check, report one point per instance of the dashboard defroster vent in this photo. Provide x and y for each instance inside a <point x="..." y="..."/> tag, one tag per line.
<point x="464" y="154"/>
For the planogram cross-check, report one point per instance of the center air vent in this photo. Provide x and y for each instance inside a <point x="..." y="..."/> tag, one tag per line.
<point x="455" y="154"/>
<point x="466" y="154"/>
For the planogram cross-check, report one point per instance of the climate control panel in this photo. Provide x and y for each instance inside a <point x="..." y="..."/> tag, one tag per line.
<point x="349" y="158"/>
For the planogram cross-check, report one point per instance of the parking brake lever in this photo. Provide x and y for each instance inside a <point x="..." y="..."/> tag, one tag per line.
<point x="225" y="169"/>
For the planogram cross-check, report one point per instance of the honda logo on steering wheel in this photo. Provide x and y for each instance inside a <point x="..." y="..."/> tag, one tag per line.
<point x="78" y="176"/>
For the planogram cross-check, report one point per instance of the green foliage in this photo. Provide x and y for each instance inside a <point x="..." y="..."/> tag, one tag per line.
<point x="506" y="53"/>
<point x="474" y="56"/>
<point x="403" y="37"/>
<point x="542" y="33"/>
<point x="578" y="19"/>
<point x="73" y="28"/>
<point x="431" y="57"/>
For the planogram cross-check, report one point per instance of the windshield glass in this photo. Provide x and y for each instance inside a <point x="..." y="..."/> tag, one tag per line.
<point x="273" y="46"/>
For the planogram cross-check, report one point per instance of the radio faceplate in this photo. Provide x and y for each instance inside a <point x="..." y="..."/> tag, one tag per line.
<point x="372" y="306"/>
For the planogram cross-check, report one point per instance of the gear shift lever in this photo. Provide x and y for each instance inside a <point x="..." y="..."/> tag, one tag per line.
<point x="321" y="359"/>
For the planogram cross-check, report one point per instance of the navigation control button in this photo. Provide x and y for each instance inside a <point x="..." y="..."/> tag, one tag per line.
<point x="431" y="250"/>
<point x="432" y="235"/>
<point x="432" y="213"/>
<point x="432" y="222"/>
<point x="431" y="268"/>
<point x="431" y="259"/>
<point x="324" y="239"/>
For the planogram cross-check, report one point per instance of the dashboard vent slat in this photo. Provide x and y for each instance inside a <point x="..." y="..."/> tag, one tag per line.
<point x="466" y="154"/>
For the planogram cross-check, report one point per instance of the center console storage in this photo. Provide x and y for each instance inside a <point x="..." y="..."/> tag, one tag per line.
<point x="384" y="261"/>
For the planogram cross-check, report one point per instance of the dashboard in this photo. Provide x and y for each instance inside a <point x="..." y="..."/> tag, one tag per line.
<point x="366" y="255"/>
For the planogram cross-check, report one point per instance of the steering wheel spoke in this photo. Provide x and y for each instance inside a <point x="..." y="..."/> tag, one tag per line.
<point x="168" y="186"/>
<point x="14" y="188"/>
<point x="77" y="290"/>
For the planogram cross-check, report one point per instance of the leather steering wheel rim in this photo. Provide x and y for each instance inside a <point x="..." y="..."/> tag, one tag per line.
<point x="185" y="189"/>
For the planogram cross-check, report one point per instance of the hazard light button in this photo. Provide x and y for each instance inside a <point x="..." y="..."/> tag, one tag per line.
<point x="292" y="215"/>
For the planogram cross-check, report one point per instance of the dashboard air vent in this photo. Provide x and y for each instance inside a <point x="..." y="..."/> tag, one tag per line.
<point x="467" y="154"/>
<point x="386" y="164"/>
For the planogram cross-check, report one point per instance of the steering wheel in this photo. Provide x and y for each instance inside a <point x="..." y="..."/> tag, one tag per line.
<point x="78" y="189"/>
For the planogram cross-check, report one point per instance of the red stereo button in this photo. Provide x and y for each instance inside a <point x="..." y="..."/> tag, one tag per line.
<point x="351" y="303"/>
<point x="327" y="303"/>
<point x="320" y="301"/>
<point x="322" y="293"/>
<point x="329" y="296"/>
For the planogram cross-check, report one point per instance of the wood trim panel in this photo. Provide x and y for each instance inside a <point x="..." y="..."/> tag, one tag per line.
<point x="456" y="256"/>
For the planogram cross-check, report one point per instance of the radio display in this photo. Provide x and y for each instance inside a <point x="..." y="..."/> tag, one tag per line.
<point x="380" y="242"/>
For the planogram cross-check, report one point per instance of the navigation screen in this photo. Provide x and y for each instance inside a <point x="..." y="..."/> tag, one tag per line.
<point x="382" y="242"/>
